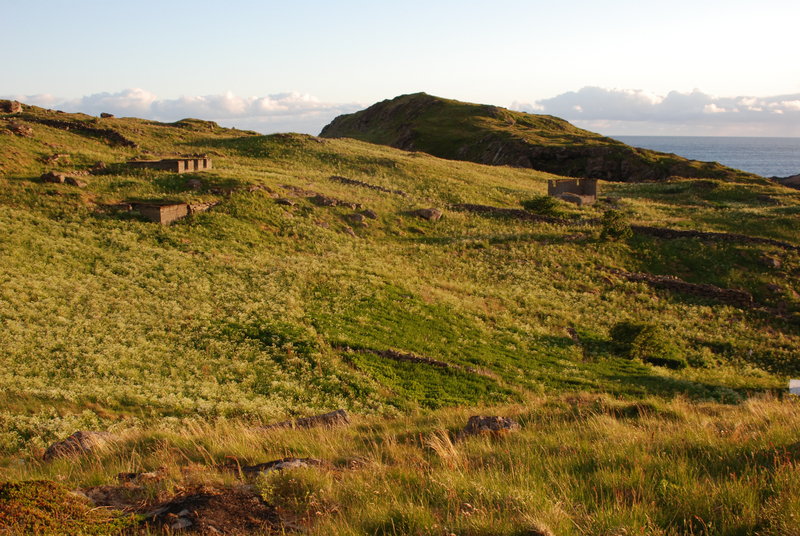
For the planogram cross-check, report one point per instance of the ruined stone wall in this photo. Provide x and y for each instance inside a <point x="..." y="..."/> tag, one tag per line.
<point x="581" y="187"/>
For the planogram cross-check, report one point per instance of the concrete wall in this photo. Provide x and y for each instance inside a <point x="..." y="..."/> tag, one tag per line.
<point x="581" y="187"/>
<point x="176" y="165"/>
<point x="163" y="214"/>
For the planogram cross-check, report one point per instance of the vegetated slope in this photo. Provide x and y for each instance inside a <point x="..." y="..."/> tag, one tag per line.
<point x="278" y="301"/>
<point x="497" y="136"/>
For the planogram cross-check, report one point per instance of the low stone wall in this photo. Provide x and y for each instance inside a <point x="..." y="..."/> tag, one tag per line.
<point x="664" y="232"/>
<point x="737" y="298"/>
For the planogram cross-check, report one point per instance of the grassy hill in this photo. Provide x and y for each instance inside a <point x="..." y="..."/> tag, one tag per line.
<point x="492" y="135"/>
<point x="312" y="285"/>
<point x="262" y="309"/>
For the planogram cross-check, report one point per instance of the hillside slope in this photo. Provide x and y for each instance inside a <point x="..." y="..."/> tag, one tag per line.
<point x="496" y="136"/>
<point x="313" y="285"/>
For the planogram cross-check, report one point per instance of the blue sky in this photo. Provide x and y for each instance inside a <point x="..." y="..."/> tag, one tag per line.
<point x="617" y="66"/>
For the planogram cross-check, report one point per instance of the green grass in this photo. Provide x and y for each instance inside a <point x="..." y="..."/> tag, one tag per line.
<point x="255" y="310"/>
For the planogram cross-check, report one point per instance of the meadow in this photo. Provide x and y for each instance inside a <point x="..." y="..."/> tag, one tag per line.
<point x="183" y="337"/>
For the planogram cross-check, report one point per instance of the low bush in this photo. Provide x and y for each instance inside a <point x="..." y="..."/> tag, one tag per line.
<point x="615" y="226"/>
<point x="648" y="343"/>
<point x="543" y="204"/>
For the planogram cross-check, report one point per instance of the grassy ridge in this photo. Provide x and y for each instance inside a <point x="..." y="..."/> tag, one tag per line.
<point x="491" y="135"/>
<point x="259" y="310"/>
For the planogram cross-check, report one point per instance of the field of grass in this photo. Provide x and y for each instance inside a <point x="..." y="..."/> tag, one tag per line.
<point x="580" y="465"/>
<point x="258" y="311"/>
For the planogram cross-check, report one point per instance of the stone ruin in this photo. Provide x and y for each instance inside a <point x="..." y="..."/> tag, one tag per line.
<point x="10" y="106"/>
<point x="176" y="165"/>
<point x="578" y="191"/>
<point x="165" y="212"/>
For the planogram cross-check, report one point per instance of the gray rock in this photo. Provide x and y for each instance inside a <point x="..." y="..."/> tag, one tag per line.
<point x="371" y="214"/>
<point x="72" y="181"/>
<point x="181" y="523"/>
<point x="281" y="465"/>
<point x="430" y="214"/>
<point x="493" y="424"/>
<point x="78" y="444"/>
<point x="54" y="176"/>
<point x="356" y="219"/>
<point x="106" y="115"/>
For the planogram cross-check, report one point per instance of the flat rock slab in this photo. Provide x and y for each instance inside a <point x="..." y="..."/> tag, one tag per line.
<point x="281" y="465"/>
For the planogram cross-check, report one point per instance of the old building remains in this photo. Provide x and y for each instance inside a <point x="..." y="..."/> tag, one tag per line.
<point x="578" y="191"/>
<point x="176" y="165"/>
<point x="166" y="213"/>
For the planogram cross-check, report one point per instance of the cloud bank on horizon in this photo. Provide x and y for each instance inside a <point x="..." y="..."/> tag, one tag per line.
<point x="608" y="111"/>
<point x="620" y="111"/>
<point x="281" y="112"/>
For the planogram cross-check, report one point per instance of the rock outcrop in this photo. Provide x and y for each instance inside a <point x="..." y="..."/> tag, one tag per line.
<point x="79" y="443"/>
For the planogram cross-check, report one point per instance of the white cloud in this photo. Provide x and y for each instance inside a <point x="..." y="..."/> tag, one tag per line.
<point x="629" y="111"/>
<point x="279" y="112"/>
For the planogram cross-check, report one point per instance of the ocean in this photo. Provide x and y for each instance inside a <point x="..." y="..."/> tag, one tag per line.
<point x="768" y="157"/>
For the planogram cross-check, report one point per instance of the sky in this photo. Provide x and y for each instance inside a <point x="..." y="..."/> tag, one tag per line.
<point x="615" y="67"/>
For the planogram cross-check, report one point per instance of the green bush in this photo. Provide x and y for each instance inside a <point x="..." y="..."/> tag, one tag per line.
<point x="615" y="226"/>
<point x="542" y="204"/>
<point x="648" y="343"/>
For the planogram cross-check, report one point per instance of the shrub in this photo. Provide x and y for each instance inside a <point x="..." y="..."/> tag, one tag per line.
<point x="542" y="204"/>
<point x="615" y="226"/>
<point x="648" y="343"/>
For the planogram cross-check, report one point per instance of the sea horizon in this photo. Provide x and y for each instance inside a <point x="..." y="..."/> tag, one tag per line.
<point x="768" y="156"/>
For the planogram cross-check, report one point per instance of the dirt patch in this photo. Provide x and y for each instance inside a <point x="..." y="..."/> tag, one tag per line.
<point x="211" y="510"/>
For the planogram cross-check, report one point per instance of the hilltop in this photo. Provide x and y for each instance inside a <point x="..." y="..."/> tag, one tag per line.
<point x="315" y="282"/>
<point x="497" y="136"/>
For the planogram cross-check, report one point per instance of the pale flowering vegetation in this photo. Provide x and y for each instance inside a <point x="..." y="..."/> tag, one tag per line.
<point x="255" y="311"/>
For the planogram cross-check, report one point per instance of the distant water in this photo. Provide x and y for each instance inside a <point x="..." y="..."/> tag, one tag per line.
<point x="768" y="157"/>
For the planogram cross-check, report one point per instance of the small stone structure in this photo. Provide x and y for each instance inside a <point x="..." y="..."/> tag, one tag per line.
<point x="10" y="106"/>
<point x="578" y="191"/>
<point x="163" y="214"/>
<point x="176" y="165"/>
<point x="166" y="213"/>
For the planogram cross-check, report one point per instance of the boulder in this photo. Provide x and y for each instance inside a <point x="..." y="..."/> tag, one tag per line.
<point x="72" y="181"/>
<point x="54" y="176"/>
<point x="356" y="219"/>
<point x="286" y="202"/>
<point x="10" y="106"/>
<point x="478" y="424"/>
<point x="371" y="214"/>
<point x="106" y="115"/>
<point x="78" y="444"/>
<point x="430" y="214"/>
